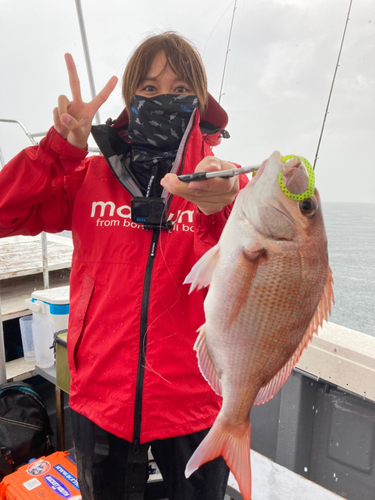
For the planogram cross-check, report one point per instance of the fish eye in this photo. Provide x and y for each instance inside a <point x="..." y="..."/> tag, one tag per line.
<point x="308" y="207"/>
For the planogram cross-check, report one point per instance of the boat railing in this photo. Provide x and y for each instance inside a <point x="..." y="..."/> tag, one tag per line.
<point x="32" y="137"/>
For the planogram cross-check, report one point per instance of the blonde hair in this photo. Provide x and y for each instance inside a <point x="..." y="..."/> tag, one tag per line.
<point x="182" y="57"/>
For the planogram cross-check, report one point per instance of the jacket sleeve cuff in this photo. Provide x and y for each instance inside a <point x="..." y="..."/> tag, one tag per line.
<point x="208" y="228"/>
<point x="56" y="143"/>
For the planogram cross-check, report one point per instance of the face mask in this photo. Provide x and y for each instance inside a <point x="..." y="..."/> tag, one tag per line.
<point x="156" y="127"/>
<point x="158" y="123"/>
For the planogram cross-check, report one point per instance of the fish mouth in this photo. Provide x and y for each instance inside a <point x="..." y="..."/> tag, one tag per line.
<point x="259" y="172"/>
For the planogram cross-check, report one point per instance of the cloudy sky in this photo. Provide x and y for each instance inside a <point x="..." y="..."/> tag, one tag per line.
<point x="281" y="63"/>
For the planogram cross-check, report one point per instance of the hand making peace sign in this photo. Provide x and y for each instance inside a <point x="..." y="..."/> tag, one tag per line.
<point x="73" y="119"/>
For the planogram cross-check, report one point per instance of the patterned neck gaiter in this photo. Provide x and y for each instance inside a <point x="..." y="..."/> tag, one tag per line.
<point x="156" y="127"/>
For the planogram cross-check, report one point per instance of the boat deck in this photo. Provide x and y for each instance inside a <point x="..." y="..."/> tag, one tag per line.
<point x="21" y="269"/>
<point x="22" y="255"/>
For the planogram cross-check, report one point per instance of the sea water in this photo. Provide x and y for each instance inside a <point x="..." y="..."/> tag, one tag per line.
<point x="351" y="247"/>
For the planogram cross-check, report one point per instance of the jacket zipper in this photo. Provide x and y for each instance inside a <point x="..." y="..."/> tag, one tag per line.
<point x="143" y="342"/>
<point x="144" y="309"/>
<point x="21" y="424"/>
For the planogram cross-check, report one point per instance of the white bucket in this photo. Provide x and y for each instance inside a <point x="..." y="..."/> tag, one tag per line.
<point x="50" y="314"/>
<point x="27" y="337"/>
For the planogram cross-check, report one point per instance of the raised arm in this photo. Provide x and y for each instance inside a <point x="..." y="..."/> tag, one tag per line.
<point x="32" y="185"/>
<point x="73" y="119"/>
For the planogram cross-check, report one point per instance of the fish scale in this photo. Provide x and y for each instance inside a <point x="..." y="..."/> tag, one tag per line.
<point x="270" y="289"/>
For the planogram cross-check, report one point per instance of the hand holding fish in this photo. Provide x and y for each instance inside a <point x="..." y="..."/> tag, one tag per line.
<point x="73" y="119"/>
<point x="210" y="195"/>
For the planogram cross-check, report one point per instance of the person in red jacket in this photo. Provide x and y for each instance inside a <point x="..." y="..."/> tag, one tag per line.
<point x="137" y="231"/>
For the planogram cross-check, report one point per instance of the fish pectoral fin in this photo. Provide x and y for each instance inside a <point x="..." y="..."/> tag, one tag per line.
<point x="201" y="274"/>
<point x="321" y="313"/>
<point x="205" y="363"/>
<point x="247" y="263"/>
<point x="253" y="251"/>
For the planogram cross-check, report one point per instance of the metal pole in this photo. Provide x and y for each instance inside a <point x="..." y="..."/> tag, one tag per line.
<point x="3" y="372"/>
<point x="33" y="141"/>
<point x="87" y="54"/>
<point x="43" y="235"/>
<point x="2" y="161"/>
<point x="45" y="260"/>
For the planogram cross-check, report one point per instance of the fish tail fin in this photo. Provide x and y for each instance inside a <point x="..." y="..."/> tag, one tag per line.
<point x="233" y="444"/>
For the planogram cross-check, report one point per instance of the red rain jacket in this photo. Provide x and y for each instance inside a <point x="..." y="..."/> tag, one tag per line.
<point x="132" y="322"/>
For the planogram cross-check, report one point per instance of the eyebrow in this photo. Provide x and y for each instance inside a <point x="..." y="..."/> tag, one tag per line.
<point x="155" y="78"/>
<point x="150" y="78"/>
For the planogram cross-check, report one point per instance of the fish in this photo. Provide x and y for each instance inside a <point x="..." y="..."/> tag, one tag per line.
<point x="154" y="123"/>
<point x="172" y="117"/>
<point x="270" y="288"/>
<point x="164" y="137"/>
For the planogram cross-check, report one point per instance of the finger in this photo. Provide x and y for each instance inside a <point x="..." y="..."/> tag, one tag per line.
<point x="207" y="202"/>
<point x="208" y="164"/>
<point x="211" y="164"/>
<point x="69" y="121"/>
<point x="212" y="204"/>
<point x="56" y="120"/>
<point x="74" y="83"/>
<point x="209" y="189"/>
<point x="104" y="93"/>
<point x="174" y="186"/>
<point x="76" y="131"/>
<point x="62" y="104"/>
<point x="214" y="186"/>
<point x="227" y="165"/>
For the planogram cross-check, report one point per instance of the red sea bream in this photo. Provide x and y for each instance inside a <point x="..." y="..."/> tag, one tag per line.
<point x="270" y="287"/>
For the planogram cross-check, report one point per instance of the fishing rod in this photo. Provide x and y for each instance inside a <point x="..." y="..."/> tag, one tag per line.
<point x="227" y="52"/>
<point x="333" y="82"/>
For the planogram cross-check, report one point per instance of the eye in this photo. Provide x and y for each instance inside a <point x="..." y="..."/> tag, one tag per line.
<point x="149" y="88"/>
<point x="181" y="89"/>
<point x="308" y="207"/>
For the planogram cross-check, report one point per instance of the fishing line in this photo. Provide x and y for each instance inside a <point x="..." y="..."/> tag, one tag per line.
<point x="167" y="310"/>
<point x="333" y="82"/>
<point x="214" y="28"/>
<point x="228" y="49"/>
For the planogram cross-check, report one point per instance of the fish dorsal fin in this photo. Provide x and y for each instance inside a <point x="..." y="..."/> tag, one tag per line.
<point x="204" y="361"/>
<point x="201" y="274"/>
<point x="321" y="313"/>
